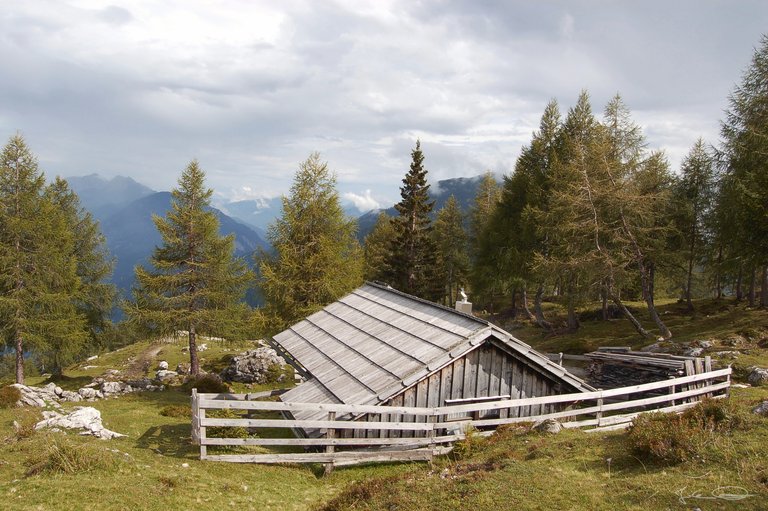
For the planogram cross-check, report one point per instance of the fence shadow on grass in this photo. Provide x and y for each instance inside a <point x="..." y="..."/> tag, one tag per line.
<point x="169" y="440"/>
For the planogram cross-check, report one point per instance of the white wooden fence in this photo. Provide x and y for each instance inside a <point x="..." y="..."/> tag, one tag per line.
<point x="429" y="430"/>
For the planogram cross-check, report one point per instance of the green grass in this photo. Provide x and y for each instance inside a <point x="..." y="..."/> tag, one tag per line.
<point x="514" y="470"/>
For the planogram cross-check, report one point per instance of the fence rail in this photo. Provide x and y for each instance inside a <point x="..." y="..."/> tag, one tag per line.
<point x="420" y="432"/>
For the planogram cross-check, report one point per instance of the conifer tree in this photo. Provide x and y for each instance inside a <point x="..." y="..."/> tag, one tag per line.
<point x="316" y="258"/>
<point x="195" y="283"/>
<point x="483" y="274"/>
<point x="451" y="242"/>
<point x="38" y="279"/>
<point x="411" y="260"/>
<point x="96" y="296"/>
<point x="694" y="197"/>
<point x="376" y="248"/>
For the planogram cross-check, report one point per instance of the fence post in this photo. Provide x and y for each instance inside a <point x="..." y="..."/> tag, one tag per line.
<point x="195" y="418"/>
<point x="203" y="447"/>
<point x="672" y="391"/>
<point x="728" y="388"/>
<point x="330" y="433"/>
<point x="560" y="359"/>
<point x="599" y="414"/>
<point x="432" y="419"/>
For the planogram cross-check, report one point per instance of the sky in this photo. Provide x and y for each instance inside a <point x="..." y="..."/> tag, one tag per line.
<point x="252" y="88"/>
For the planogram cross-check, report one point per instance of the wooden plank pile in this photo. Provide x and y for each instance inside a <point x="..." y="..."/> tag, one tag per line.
<point x="614" y="367"/>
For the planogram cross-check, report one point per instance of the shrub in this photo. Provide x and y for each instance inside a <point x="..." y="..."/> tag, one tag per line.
<point x="9" y="396"/>
<point x="205" y="383"/>
<point x="721" y="415"/>
<point x="64" y="456"/>
<point x="180" y="411"/>
<point x="24" y="424"/>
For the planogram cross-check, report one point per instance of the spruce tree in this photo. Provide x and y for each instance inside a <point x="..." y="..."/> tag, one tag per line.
<point x="38" y="279"/>
<point x="195" y="283"/>
<point x="483" y="272"/>
<point x="412" y="260"/>
<point x="376" y="248"/>
<point x="96" y="297"/>
<point x="452" y="247"/>
<point x="315" y="256"/>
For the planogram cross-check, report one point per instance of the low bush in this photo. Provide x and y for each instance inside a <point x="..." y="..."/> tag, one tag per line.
<point x="179" y="411"/>
<point x="673" y="438"/>
<point x="24" y="423"/>
<point x="9" y="396"/>
<point x="225" y="431"/>
<point x="205" y="383"/>
<point x="65" y="456"/>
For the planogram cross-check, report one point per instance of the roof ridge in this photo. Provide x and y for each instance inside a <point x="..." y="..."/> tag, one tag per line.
<point x="386" y="287"/>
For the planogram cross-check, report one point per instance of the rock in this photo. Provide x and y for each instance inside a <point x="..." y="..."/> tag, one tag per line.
<point x="83" y="417"/>
<point x="114" y="387"/>
<point x="112" y="372"/>
<point x="253" y="366"/>
<point x="163" y="365"/>
<point x="547" y="426"/>
<point x="761" y="409"/>
<point x="140" y="384"/>
<point x="729" y="354"/>
<point x="182" y="368"/>
<point x="693" y="352"/>
<point x="92" y="358"/>
<point x="68" y="395"/>
<point x="163" y="375"/>
<point x="202" y="347"/>
<point x="29" y="397"/>
<point x="704" y="344"/>
<point x="87" y="393"/>
<point x="758" y="376"/>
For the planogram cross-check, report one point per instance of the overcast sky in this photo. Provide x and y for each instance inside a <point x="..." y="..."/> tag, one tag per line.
<point x="139" y="88"/>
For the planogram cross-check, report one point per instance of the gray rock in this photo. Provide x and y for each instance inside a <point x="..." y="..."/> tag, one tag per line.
<point x="693" y="352"/>
<point x="141" y="384"/>
<point x="761" y="409"/>
<point x="73" y="397"/>
<point x="202" y="347"/>
<point x="182" y="368"/>
<point x="548" y="426"/>
<point x="87" y="393"/>
<point x="29" y="396"/>
<point x="85" y="418"/>
<point x="163" y="375"/>
<point x="114" y="387"/>
<point x="705" y="344"/>
<point x="758" y="376"/>
<point x="163" y="365"/>
<point x="253" y="366"/>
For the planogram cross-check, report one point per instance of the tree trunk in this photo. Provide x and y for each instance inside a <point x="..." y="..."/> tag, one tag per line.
<point x="647" y="275"/>
<point x="604" y="299"/>
<point x="752" y="286"/>
<point x="194" y="362"/>
<point x="573" y="319"/>
<point x="719" y="276"/>
<point x="764" y="288"/>
<point x="19" y="360"/>
<point x="514" y="302"/>
<point x="689" y="281"/>
<point x="524" y="295"/>
<point x="739" y="284"/>
<point x="632" y="319"/>
<point x="540" y="319"/>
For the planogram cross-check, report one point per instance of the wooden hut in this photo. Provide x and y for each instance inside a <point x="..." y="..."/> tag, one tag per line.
<point x="379" y="346"/>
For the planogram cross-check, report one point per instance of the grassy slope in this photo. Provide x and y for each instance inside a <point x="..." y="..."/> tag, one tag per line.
<point x="526" y="471"/>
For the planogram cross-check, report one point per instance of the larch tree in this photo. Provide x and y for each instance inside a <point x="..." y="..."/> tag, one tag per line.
<point x="694" y="197"/>
<point x="483" y="273"/>
<point x="96" y="296"/>
<point x="315" y="256"/>
<point x="195" y="283"/>
<point x="451" y="242"/>
<point x="744" y="165"/>
<point x="38" y="275"/>
<point x="412" y="255"/>
<point x="376" y="248"/>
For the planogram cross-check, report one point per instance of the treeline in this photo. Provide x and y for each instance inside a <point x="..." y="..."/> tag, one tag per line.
<point x="589" y="213"/>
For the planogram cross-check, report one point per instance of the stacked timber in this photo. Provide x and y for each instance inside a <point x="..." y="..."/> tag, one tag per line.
<point x="612" y="367"/>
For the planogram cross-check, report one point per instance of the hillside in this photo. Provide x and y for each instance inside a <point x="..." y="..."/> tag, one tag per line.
<point x="156" y="468"/>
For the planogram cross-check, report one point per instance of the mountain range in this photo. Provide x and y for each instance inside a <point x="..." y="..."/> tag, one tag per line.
<point x="124" y="209"/>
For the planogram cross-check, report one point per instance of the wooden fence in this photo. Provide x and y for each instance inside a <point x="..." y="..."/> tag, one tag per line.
<point x="426" y="432"/>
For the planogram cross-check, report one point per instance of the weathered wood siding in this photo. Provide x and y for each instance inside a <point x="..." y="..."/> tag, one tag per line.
<point x="487" y="371"/>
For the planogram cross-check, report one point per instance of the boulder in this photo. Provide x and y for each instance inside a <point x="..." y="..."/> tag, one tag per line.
<point x="85" y="418"/>
<point x="29" y="396"/>
<point x="693" y="352"/>
<point x="547" y="426"/>
<point x="163" y="365"/>
<point x="68" y="395"/>
<point x="114" y="387"/>
<point x="253" y="366"/>
<point x="164" y="374"/>
<point x="758" y="376"/>
<point x="202" y="347"/>
<point x="87" y="393"/>
<point x="761" y="409"/>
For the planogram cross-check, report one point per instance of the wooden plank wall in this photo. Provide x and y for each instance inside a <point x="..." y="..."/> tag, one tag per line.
<point x="484" y="372"/>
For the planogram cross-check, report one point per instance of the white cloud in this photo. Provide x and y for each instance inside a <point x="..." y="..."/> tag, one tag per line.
<point x="363" y="202"/>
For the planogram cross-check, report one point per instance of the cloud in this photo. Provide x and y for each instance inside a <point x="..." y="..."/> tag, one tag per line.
<point x="364" y="202"/>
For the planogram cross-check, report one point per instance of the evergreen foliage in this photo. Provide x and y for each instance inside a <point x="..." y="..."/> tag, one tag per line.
<point x="38" y="273"/>
<point x="376" y="248"/>
<point x="316" y="258"/>
<point x="412" y="257"/>
<point x="483" y="274"/>
<point x="452" y="247"/>
<point x="195" y="283"/>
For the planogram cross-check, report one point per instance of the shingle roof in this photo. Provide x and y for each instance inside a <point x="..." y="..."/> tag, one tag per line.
<point x="375" y="341"/>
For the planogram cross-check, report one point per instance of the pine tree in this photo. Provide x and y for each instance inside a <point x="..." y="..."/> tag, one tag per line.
<point x="376" y="248"/>
<point x="316" y="258"/>
<point x="96" y="296"/>
<point x="412" y="256"/>
<point x="38" y="279"/>
<point x="195" y="283"/>
<point x="483" y="274"/>
<point x="694" y="197"/>
<point x="451" y="242"/>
